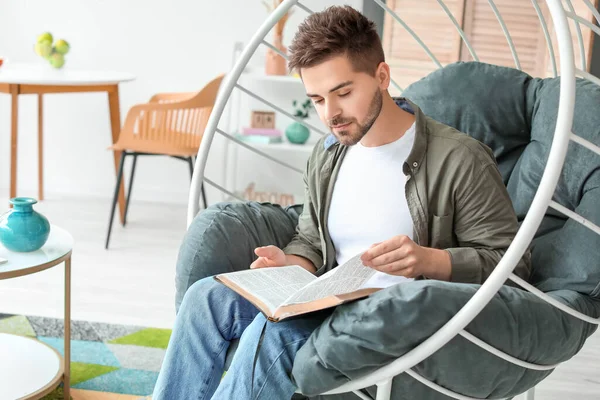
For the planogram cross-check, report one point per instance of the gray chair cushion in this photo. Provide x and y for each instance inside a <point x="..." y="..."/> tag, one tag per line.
<point x="364" y="335"/>
<point x="223" y="237"/>
<point x="564" y="254"/>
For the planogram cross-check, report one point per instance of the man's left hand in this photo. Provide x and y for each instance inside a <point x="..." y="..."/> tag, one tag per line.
<point x="401" y="256"/>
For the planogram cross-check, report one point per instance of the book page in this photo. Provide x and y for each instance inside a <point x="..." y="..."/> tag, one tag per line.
<point x="342" y="279"/>
<point x="272" y="285"/>
<point x="382" y="280"/>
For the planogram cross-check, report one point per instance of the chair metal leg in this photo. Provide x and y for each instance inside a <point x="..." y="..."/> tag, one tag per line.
<point x="135" y="156"/>
<point x="116" y="197"/>
<point x="531" y="394"/>
<point x="191" y="161"/>
<point x="203" y="195"/>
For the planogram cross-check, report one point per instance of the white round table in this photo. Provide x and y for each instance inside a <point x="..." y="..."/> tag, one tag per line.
<point x="29" y="369"/>
<point x="40" y="79"/>
<point x="43" y="74"/>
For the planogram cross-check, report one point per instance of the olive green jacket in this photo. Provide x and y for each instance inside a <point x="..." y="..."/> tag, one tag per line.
<point x="455" y="195"/>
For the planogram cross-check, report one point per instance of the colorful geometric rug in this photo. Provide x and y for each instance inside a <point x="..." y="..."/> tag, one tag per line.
<point x="104" y="357"/>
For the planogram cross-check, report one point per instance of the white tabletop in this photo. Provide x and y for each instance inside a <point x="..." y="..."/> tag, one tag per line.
<point x="44" y="74"/>
<point x="26" y="366"/>
<point x="59" y="243"/>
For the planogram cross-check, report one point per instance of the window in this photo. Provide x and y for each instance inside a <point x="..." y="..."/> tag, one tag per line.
<point x="427" y="18"/>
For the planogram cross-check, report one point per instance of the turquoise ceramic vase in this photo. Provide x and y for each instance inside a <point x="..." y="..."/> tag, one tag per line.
<point x="297" y="133"/>
<point x="22" y="229"/>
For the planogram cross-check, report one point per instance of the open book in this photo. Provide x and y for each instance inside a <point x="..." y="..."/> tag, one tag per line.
<point x="284" y="292"/>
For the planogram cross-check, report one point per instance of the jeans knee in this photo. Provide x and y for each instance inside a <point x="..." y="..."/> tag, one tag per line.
<point x="285" y="335"/>
<point x="202" y="293"/>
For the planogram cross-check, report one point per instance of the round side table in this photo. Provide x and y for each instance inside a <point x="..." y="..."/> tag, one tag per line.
<point x="29" y="369"/>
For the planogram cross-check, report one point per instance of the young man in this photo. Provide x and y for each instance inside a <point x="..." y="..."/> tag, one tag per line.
<point x="415" y="197"/>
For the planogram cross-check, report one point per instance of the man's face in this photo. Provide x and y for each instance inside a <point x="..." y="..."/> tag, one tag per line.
<point x="348" y="102"/>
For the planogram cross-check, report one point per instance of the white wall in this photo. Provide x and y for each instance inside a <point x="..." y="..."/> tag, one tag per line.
<point x="178" y="47"/>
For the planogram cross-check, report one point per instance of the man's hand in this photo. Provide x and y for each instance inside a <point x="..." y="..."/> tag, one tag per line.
<point x="273" y="256"/>
<point x="401" y="256"/>
<point x="269" y="256"/>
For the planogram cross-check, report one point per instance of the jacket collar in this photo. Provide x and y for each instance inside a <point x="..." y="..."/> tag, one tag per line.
<point x="420" y="145"/>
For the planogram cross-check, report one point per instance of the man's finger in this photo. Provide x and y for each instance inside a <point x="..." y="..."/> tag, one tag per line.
<point x="401" y="268"/>
<point x="377" y="250"/>
<point x="266" y="251"/>
<point x="258" y="263"/>
<point x="385" y="247"/>
<point x="364" y="258"/>
<point x="388" y="258"/>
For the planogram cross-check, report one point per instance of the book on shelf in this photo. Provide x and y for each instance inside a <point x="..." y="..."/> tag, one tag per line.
<point x="259" y="139"/>
<point x="288" y="291"/>
<point x="261" y="131"/>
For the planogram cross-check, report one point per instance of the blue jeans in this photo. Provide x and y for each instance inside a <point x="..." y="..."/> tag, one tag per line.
<point x="210" y="316"/>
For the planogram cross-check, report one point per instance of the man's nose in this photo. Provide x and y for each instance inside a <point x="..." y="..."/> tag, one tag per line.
<point x="332" y="110"/>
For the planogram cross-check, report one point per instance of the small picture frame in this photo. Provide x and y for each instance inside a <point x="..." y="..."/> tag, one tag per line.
<point x="263" y="119"/>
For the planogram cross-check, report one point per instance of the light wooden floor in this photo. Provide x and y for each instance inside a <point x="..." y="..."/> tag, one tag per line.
<point x="133" y="282"/>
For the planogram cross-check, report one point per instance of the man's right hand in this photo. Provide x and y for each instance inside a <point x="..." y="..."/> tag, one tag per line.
<point x="269" y="256"/>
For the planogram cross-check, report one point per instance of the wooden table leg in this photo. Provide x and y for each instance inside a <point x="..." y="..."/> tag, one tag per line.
<point x="40" y="147"/>
<point x="115" y="123"/>
<point x="14" y="124"/>
<point x="67" y="344"/>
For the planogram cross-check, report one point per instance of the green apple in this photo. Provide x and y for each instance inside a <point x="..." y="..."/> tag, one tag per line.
<point x="45" y="37"/>
<point x="43" y="49"/>
<point x="62" y="46"/>
<point x="57" y="60"/>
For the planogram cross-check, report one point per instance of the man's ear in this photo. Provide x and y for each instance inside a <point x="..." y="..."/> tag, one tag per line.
<point x="383" y="75"/>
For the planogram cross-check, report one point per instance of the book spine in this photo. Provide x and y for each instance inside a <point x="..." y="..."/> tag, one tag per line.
<point x="261" y="132"/>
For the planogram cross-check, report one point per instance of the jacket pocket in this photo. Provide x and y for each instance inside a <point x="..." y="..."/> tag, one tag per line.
<point x="441" y="232"/>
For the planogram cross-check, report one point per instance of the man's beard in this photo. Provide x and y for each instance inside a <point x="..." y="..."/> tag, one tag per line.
<point x="350" y="137"/>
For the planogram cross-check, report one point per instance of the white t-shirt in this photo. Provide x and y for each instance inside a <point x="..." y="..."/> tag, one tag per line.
<point x="368" y="204"/>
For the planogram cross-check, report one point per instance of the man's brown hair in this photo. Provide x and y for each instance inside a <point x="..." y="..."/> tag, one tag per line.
<point x="335" y="31"/>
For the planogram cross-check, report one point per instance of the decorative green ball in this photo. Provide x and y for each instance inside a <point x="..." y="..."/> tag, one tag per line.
<point x="297" y="133"/>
